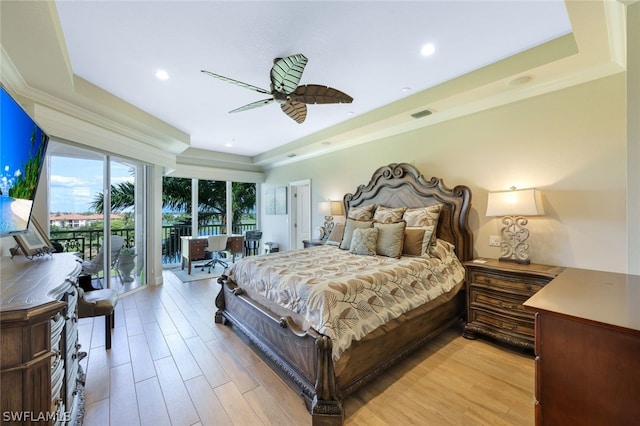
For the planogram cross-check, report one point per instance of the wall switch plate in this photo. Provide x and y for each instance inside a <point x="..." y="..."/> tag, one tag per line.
<point x="495" y="240"/>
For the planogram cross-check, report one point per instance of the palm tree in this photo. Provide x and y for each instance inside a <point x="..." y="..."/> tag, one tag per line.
<point x="176" y="195"/>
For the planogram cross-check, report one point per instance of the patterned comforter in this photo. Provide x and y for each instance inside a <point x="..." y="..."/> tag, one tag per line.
<point x="343" y="295"/>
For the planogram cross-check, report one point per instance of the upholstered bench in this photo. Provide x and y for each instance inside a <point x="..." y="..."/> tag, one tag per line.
<point x="98" y="303"/>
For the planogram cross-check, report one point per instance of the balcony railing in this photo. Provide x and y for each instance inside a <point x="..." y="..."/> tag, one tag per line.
<point x="88" y="242"/>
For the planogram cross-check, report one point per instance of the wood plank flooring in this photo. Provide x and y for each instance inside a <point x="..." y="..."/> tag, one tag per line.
<point x="170" y="364"/>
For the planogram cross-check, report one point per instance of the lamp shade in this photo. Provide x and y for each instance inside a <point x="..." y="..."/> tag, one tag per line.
<point x="336" y="208"/>
<point x="324" y="208"/>
<point x="523" y="202"/>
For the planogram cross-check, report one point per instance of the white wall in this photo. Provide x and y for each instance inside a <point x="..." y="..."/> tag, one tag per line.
<point x="570" y="144"/>
<point x="633" y="137"/>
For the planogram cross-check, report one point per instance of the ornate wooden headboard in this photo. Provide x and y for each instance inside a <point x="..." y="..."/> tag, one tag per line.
<point x="402" y="185"/>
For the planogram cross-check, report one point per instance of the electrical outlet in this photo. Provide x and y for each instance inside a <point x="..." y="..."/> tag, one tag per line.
<point x="495" y="240"/>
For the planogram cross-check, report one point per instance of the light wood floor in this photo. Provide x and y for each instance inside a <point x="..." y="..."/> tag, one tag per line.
<point x="170" y="364"/>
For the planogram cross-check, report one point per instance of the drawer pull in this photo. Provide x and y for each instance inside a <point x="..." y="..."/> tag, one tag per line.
<point x="508" y="305"/>
<point x="512" y="327"/>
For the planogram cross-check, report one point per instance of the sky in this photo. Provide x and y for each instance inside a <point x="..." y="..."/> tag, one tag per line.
<point x="74" y="182"/>
<point x="16" y="130"/>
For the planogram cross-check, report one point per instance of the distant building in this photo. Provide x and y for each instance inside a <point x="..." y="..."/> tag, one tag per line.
<point x="77" y="220"/>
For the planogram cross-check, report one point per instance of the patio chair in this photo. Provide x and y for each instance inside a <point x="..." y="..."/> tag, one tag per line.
<point x="96" y="265"/>
<point x="252" y="242"/>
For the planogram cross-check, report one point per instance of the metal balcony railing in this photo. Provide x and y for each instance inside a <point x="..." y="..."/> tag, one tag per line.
<point x="88" y="242"/>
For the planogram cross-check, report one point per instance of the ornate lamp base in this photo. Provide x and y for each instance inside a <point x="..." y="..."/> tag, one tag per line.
<point x="328" y="227"/>
<point x="514" y="237"/>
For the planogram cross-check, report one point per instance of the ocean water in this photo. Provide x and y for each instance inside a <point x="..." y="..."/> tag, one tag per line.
<point x="8" y="220"/>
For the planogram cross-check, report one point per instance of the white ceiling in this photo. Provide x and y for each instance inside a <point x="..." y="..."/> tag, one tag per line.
<point x="368" y="49"/>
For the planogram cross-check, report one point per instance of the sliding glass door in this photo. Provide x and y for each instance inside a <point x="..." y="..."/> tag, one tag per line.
<point x="93" y="195"/>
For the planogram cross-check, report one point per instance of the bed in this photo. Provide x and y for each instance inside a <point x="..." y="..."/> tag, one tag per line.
<point x="327" y="359"/>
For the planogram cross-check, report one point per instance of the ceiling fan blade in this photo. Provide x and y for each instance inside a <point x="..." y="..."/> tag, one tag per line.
<point x="318" y="94"/>
<point x="295" y="110"/>
<point x="253" y="105"/>
<point x="286" y="73"/>
<point x="236" y="82"/>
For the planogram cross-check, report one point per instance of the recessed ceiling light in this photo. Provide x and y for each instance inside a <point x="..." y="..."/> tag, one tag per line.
<point x="162" y="75"/>
<point x="406" y="89"/>
<point x="428" y="49"/>
<point x="228" y="144"/>
<point x="350" y="113"/>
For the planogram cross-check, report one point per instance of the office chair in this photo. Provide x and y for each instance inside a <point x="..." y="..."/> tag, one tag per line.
<point x="216" y="244"/>
<point x="96" y="265"/>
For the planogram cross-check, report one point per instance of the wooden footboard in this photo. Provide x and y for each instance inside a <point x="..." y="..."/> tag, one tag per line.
<point x="303" y="358"/>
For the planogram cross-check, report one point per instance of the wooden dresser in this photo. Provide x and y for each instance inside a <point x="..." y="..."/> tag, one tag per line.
<point x="495" y="293"/>
<point x="587" y="348"/>
<point x="39" y="364"/>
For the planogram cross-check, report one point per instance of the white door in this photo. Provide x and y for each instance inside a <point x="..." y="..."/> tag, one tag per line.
<point x="301" y="213"/>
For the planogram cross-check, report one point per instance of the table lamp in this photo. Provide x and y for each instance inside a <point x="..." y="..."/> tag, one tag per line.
<point x="329" y="209"/>
<point x="514" y="205"/>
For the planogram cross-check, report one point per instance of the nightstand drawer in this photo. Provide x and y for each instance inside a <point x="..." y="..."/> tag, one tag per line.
<point x="503" y="324"/>
<point x="508" y="282"/>
<point x="505" y="303"/>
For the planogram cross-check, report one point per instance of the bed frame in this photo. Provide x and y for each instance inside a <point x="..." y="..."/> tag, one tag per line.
<point x="303" y="357"/>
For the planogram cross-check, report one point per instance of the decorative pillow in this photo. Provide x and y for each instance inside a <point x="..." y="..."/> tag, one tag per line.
<point x="390" y="238"/>
<point x="335" y="237"/>
<point x="417" y="240"/>
<point x="364" y="241"/>
<point x="388" y="214"/>
<point x="424" y="216"/>
<point x="361" y="213"/>
<point x="348" y="231"/>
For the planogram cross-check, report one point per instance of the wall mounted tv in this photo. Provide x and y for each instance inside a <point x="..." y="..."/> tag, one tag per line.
<point x="23" y="145"/>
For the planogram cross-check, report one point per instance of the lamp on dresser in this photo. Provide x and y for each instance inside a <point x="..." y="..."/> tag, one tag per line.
<point x="329" y="209"/>
<point x="514" y="205"/>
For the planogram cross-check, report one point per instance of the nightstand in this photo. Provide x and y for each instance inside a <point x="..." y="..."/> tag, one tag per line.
<point x="495" y="294"/>
<point x="313" y="243"/>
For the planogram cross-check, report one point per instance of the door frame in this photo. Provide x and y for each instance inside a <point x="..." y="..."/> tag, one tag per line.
<point x="293" y="210"/>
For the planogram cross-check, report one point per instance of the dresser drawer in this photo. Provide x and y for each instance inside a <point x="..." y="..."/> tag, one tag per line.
<point x="504" y="303"/>
<point x="503" y="324"/>
<point x="197" y="248"/>
<point x="526" y="286"/>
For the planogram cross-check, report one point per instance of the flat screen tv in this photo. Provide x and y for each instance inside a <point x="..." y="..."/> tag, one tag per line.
<point x="23" y="145"/>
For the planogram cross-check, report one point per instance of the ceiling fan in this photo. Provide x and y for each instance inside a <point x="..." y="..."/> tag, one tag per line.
<point x="285" y="76"/>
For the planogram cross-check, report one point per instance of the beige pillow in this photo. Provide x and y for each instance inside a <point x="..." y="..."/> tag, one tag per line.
<point x="349" y="227"/>
<point x="335" y="237"/>
<point x="424" y="216"/>
<point x="388" y="214"/>
<point x="390" y="238"/>
<point x="417" y="240"/>
<point x="364" y="241"/>
<point x="361" y="213"/>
